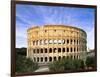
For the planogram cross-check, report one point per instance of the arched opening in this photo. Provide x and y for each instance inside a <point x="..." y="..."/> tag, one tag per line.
<point x="50" y="41"/>
<point x="77" y="42"/>
<point x="45" y="50"/>
<point x="45" y="30"/>
<point x="63" y="49"/>
<point x="33" y="50"/>
<point x="67" y="41"/>
<point x="59" y="41"/>
<point x="54" y="58"/>
<point x="40" y="42"/>
<point x="67" y="49"/>
<point x="63" y="41"/>
<point x="59" y="58"/>
<point x="55" y="41"/>
<point x="77" y="49"/>
<point x="74" y="42"/>
<point x="77" y="57"/>
<point x="41" y="50"/>
<point x="54" y="50"/>
<point x="45" y="59"/>
<point x="71" y="49"/>
<point x="33" y="42"/>
<point x="59" y="50"/>
<point x="63" y="57"/>
<point x="50" y="59"/>
<point x="37" y="59"/>
<point x="36" y="42"/>
<point x="74" y="57"/>
<point x="41" y="59"/>
<point x="71" y="41"/>
<point x="37" y="50"/>
<point x="74" y="49"/>
<point x="46" y="41"/>
<point x="50" y="50"/>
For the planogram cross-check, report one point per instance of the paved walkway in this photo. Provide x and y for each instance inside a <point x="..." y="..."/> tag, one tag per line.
<point x="42" y="69"/>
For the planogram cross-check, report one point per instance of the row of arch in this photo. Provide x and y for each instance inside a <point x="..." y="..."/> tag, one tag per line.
<point x="50" y="59"/>
<point x="63" y="41"/>
<point x="59" y="50"/>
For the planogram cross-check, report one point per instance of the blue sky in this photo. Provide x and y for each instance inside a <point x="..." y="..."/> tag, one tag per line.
<point x="37" y="15"/>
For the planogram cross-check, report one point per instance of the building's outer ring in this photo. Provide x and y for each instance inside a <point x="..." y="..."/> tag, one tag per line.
<point x="53" y="42"/>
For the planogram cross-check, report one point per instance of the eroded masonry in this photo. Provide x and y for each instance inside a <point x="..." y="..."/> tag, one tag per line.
<point x="53" y="42"/>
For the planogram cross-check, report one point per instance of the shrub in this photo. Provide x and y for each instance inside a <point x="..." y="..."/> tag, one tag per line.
<point x="90" y="62"/>
<point x="24" y="64"/>
<point x="56" y="66"/>
<point x="67" y="64"/>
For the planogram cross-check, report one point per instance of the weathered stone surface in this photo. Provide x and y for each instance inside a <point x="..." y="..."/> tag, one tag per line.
<point x="52" y="42"/>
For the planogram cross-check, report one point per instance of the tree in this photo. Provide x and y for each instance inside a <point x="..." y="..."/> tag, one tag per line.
<point x="24" y="64"/>
<point x="56" y="66"/>
<point x="67" y="64"/>
<point x="21" y="51"/>
<point x="90" y="62"/>
<point x="78" y="63"/>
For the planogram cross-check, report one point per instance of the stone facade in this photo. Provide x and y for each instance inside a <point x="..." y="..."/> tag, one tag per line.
<point x="53" y="42"/>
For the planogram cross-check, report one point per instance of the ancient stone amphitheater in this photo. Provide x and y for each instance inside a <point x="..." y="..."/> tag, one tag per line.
<point x="50" y="43"/>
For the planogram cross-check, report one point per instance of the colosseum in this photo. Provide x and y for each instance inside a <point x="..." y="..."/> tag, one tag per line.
<point x="50" y="43"/>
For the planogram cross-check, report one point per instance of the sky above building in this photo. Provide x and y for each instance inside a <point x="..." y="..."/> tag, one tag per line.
<point x="38" y="15"/>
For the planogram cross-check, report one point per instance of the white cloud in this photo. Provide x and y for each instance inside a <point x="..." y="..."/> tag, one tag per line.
<point x="90" y="39"/>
